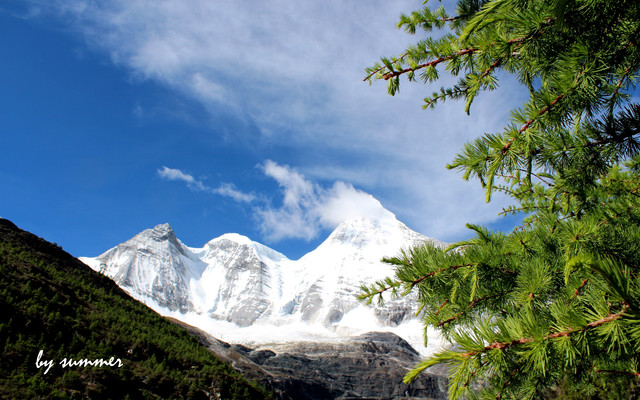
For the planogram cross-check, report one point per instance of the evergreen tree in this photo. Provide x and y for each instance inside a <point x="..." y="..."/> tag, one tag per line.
<point x="552" y="308"/>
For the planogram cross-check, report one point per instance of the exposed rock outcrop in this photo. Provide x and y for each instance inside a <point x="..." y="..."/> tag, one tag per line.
<point x="369" y="366"/>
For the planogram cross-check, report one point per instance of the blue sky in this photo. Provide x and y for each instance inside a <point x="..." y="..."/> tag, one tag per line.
<point x="218" y="117"/>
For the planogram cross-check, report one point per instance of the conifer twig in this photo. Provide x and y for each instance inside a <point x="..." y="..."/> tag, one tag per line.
<point x="531" y="121"/>
<point x="492" y="67"/>
<point x="575" y="294"/>
<point x="441" y="305"/>
<point x="437" y="61"/>
<point x="504" y="345"/>
<point x="609" y="371"/>
<point x="372" y="73"/>
<point x="469" y="307"/>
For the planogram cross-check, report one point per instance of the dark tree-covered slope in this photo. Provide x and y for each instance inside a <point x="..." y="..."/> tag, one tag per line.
<point x="52" y="302"/>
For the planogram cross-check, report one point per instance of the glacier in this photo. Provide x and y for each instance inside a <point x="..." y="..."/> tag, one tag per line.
<point x="241" y="291"/>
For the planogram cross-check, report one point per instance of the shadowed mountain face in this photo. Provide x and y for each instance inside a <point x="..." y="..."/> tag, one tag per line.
<point x="51" y="302"/>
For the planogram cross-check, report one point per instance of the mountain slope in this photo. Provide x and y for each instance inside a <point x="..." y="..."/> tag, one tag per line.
<point x="51" y="302"/>
<point x="244" y="292"/>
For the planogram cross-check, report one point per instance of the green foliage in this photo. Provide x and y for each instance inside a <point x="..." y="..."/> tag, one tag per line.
<point x="50" y="301"/>
<point x="551" y="309"/>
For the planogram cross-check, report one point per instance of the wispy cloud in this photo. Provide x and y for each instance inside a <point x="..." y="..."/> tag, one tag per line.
<point x="172" y="174"/>
<point x="225" y="189"/>
<point x="229" y="190"/>
<point x="307" y="207"/>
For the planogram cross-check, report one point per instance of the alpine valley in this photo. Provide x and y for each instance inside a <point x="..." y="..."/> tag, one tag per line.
<point x="294" y="325"/>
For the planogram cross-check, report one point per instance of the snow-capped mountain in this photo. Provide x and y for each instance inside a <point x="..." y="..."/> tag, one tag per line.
<point x="241" y="290"/>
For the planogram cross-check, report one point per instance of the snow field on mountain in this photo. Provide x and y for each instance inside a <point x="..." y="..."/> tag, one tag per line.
<point x="241" y="291"/>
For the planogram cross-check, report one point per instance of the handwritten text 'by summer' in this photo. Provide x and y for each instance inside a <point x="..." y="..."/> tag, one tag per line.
<point x="83" y="362"/>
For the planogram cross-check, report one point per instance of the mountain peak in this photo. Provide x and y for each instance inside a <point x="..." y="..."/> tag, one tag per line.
<point x="159" y="233"/>
<point x="261" y="250"/>
<point x="383" y="224"/>
<point x="163" y="228"/>
<point x="233" y="237"/>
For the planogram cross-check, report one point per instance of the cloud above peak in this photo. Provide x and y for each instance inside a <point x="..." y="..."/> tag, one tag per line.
<point x="308" y="208"/>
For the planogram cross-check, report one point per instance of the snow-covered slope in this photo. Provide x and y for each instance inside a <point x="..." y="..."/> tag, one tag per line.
<point x="240" y="290"/>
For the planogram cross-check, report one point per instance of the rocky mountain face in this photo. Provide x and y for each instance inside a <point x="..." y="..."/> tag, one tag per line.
<point x="368" y="366"/>
<point x="153" y="264"/>
<point x="243" y="292"/>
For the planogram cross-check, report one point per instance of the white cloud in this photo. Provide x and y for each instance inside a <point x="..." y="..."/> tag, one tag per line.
<point x="225" y="189"/>
<point x="307" y="207"/>
<point x="294" y="70"/>
<point x="229" y="190"/>
<point x="297" y="191"/>
<point x="172" y="174"/>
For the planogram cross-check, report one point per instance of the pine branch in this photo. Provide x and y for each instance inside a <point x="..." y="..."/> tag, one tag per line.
<point x="625" y="76"/>
<point x="373" y="72"/>
<point x="430" y="274"/>
<point x="435" y="62"/>
<point x="535" y="176"/>
<point x="511" y="177"/>
<point x="507" y="382"/>
<point x="616" y="215"/>
<point x="575" y="294"/>
<point x="441" y="305"/>
<point x="368" y="293"/>
<point x="609" y="371"/>
<point x="452" y="93"/>
<point x="469" y="307"/>
<point x="474" y="372"/>
<point x="511" y="192"/>
<point x="531" y="121"/>
<point x="460" y="53"/>
<point x="520" y="209"/>
<point x="569" y="332"/>
<point x="493" y="66"/>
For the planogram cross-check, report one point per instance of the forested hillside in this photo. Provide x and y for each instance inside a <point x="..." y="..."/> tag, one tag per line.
<point x="52" y="302"/>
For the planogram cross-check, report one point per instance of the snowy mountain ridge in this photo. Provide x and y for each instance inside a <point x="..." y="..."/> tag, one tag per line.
<point x="240" y="290"/>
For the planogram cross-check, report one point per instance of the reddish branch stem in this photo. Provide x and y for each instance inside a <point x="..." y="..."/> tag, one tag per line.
<point x="415" y="282"/>
<point x="470" y="306"/>
<point x="437" y="61"/>
<point x="383" y="67"/>
<point x="531" y="121"/>
<point x="452" y="268"/>
<point x="609" y="371"/>
<point x="575" y="294"/>
<point x="491" y="67"/>
<point x="442" y="305"/>
<point x="504" y="345"/>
